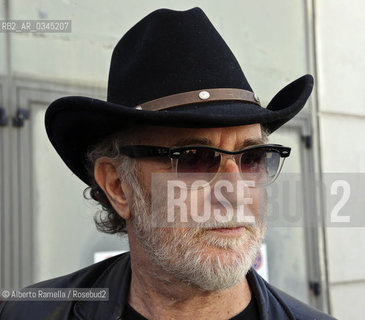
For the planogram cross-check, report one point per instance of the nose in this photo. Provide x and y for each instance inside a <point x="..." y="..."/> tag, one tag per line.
<point x="227" y="181"/>
<point x="230" y="164"/>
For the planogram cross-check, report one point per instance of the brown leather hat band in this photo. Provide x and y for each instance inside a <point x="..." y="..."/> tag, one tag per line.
<point x="199" y="96"/>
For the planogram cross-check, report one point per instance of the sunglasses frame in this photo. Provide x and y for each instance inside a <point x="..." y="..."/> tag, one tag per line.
<point x="145" y="151"/>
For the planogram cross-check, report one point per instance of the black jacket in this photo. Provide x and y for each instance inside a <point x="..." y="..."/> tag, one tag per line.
<point x="115" y="274"/>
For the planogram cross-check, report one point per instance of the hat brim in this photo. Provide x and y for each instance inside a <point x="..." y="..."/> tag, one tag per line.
<point x="74" y="123"/>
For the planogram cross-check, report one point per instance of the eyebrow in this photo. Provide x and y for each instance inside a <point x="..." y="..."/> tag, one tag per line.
<point x="208" y="142"/>
<point x="251" y="142"/>
<point x="193" y="141"/>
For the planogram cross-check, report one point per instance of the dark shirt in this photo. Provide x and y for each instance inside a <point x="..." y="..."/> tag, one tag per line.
<point x="249" y="313"/>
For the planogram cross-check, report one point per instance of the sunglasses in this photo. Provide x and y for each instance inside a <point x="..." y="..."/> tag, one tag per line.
<point x="260" y="164"/>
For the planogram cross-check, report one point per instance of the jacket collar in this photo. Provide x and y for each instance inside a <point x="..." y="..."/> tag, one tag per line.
<point x="116" y="278"/>
<point x="258" y="290"/>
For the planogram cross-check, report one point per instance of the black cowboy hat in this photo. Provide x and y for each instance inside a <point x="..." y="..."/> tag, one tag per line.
<point x="171" y="69"/>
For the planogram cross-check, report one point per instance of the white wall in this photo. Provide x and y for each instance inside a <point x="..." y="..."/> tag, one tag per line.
<point x="2" y="42"/>
<point x="267" y="37"/>
<point x="341" y="64"/>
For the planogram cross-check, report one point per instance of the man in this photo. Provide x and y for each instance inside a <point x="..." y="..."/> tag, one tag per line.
<point x="180" y="114"/>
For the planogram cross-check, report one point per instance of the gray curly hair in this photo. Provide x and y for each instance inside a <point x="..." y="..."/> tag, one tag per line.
<point x="107" y="219"/>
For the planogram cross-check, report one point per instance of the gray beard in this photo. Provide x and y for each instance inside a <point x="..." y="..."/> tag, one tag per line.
<point x="194" y="255"/>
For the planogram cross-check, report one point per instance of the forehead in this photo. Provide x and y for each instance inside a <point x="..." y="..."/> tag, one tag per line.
<point x="169" y="136"/>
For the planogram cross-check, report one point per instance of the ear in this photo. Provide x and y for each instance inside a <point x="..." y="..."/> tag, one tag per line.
<point x="107" y="177"/>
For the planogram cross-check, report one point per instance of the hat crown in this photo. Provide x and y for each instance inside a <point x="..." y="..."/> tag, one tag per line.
<point x="170" y="52"/>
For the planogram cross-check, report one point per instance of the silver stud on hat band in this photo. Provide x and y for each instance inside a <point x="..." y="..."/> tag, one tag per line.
<point x="204" y="95"/>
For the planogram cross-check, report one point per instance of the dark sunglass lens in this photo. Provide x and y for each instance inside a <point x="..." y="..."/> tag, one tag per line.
<point x="253" y="161"/>
<point x="272" y="163"/>
<point x="260" y="165"/>
<point x="198" y="160"/>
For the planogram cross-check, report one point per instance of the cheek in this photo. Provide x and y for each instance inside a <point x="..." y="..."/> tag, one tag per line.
<point x="255" y="198"/>
<point x="259" y="198"/>
<point x="144" y="172"/>
<point x="146" y="168"/>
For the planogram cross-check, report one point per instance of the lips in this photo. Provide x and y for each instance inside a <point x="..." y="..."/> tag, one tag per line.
<point x="228" y="204"/>
<point x="230" y="230"/>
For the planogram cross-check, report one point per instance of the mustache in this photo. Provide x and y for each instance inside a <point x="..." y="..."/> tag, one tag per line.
<point x="210" y="224"/>
<point x="229" y="225"/>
